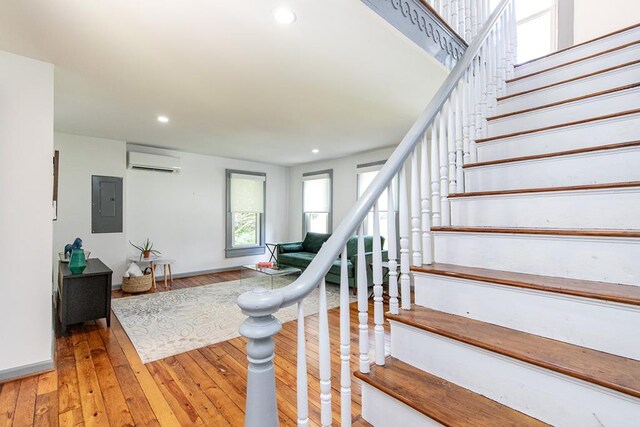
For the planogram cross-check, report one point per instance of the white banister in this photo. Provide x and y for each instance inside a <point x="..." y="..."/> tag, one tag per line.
<point x="302" y="388"/>
<point x="392" y="250"/>
<point x="403" y="212"/>
<point x="345" y="342"/>
<point x="425" y="202"/>
<point x="416" y="238"/>
<point x="451" y="142"/>
<point x="324" y="354"/>
<point x="435" y="175"/>
<point x="459" y="138"/>
<point x="363" y="303"/>
<point x="445" y="216"/>
<point x="444" y="134"/>
<point x="378" y="309"/>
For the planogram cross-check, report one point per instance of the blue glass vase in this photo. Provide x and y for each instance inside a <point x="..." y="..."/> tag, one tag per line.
<point x="77" y="262"/>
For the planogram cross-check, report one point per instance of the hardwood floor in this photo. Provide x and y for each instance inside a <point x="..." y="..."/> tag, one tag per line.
<point x="100" y="380"/>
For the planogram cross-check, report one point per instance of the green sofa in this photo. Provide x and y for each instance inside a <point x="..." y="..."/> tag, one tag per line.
<point x="300" y="255"/>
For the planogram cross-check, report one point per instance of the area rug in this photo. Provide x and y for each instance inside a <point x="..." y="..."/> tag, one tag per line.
<point x="167" y="323"/>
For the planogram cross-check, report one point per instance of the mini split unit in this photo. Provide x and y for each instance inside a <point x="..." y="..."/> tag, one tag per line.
<point x="153" y="162"/>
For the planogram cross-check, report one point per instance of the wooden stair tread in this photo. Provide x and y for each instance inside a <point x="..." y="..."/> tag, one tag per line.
<point x="605" y="186"/>
<point x="556" y="154"/>
<point x="441" y="400"/>
<point x="614" y="292"/>
<point x="560" y="125"/>
<point x="622" y="30"/>
<point x="359" y="422"/>
<point x="575" y="61"/>
<point x="567" y="101"/>
<point x="607" y="370"/>
<point x="573" y="79"/>
<point x="543" y="231"/>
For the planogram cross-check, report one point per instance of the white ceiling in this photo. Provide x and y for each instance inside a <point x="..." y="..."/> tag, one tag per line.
<point x="233" y="82"/>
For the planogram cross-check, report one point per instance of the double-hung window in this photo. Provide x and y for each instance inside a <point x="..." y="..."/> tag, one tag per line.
<point x="317" y="193"/>
<point x="245" y="213"/>
<point x="366" y="173"/>
<point x="537" y="28"/>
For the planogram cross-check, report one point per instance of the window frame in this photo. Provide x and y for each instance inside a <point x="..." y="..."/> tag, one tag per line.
<point x="240" y="251"/>
<point x="330" y="213"/>
<point x="371" y="167"/>
<point x="553" y="23"/>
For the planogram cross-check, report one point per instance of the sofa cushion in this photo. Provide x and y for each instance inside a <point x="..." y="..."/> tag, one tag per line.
<point x="296" y="259"/>
<point x="303" y="259"/>
<point x="290" y="247"/>
<point x="314" y="241"/>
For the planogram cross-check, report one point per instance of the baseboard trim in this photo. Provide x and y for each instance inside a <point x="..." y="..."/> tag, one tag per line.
<point x="189" y="274"/>
<point x="26" y="370"/>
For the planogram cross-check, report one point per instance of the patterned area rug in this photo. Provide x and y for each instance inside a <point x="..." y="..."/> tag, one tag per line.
<point x="167" y="323"/>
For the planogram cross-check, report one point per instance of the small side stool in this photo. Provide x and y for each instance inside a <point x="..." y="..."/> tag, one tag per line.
<point x="166" y="263"/>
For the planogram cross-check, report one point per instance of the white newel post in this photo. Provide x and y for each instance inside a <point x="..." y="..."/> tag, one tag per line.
<point x="261" y="409"/>
<point x="392" y="245"/>
<point x="416" y="238"/>
<point x="345" y="343"/>
<point x="363" y="304"/>
<point x="403" y="211"/>
<point x="378" y="309"/>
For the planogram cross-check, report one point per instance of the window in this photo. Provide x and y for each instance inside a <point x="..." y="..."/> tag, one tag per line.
<point x="536" y="28"/>
<point x="317" y="193"/>
<point x="245" y="213"/>
<point x="366" y="173"/>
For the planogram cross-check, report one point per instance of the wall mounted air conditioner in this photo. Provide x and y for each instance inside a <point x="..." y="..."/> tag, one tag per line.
<point x="154" y="162"/>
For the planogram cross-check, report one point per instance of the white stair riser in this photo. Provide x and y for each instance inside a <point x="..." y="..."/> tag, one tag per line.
<point x="597" y="167"/>
<point x="609" y="208"/>
<point x="580" y="68"/>
<point x="581" y="87"/>
<point x="579" y="52"/>
<point x="382" y="410"/>
<point x="604" y="326"/>
<point x="606" y="259"/>
<point x="601" y="132"/>
<point x="591" y="107"/>
<point x="554" y="398"/>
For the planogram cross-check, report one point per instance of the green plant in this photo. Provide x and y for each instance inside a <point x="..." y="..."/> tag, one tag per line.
<point x="146" y="248"/>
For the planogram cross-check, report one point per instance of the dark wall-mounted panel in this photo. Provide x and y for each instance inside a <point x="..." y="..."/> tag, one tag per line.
<point x="106" y="204"/>
<point x="423" y="26"/>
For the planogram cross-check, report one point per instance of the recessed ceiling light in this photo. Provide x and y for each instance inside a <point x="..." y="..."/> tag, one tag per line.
<point x="163" y="119"/>
<point x="315" y="151"/>
<point x="284" y="15"/>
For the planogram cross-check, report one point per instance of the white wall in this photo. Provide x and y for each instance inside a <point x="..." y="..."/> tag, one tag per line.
<point x="80" y="158"/>
<point x="593" y="18"/>
<point x="184" y="213"/>
<point x="344" y="186"/>
<point x="26" y="183"/>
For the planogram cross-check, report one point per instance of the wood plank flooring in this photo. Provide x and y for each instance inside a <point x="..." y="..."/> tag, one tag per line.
<point x="100" y="380"/>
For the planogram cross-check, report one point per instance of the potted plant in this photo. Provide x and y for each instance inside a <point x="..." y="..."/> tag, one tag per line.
<point x="146" y="249"/>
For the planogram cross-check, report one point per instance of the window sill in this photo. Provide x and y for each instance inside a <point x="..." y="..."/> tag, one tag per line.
<point x="238" y="252"/>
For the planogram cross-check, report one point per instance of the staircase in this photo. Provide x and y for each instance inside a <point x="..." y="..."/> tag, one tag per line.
<point x="530" y="312"/>
<point x="514" y="271"/>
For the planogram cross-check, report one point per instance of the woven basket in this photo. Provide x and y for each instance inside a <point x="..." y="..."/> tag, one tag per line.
<point x="133" y="285"/>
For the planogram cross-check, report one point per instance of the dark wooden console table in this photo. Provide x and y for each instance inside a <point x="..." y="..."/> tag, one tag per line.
<point x="85" y="296"/>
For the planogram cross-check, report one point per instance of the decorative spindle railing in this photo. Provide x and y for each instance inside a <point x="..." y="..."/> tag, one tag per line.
<point x="432" y="156"/>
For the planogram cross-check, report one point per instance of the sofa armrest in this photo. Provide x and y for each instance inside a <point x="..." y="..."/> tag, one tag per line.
<point x="283" y="248"/>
